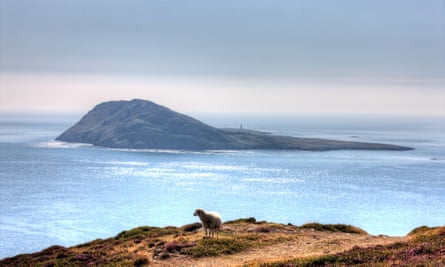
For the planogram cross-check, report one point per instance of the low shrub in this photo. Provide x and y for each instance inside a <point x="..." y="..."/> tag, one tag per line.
<point x="419" y="230"/>
<point x="178" y="246"/>
<point x="191" y="227"/>
<point x="216" y="247"/>
<point x="146" y="231"/>
<point x="142" y="261"/>
<point x="427" y="249"/>
<point x="242" y="220"/>
<point x="343" y="228"/>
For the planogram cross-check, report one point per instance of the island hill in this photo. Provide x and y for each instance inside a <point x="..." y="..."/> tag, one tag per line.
<point x="141" y="124"/>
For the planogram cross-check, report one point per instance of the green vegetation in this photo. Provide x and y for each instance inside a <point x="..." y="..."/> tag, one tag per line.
<point x="143" y="261"/>
<point x="419" y="230"/>
<point x="217" y="247"/>
<point x="427" y="248"/>
<point x="233" y="243"/>
<point x="343" y="228"/>
<point x="147" y="231"/>
<point x="242" y="220"/>
<point x="424" y="246"/>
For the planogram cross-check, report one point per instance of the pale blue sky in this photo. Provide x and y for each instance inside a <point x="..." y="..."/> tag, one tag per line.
<point x="233" y="56"/>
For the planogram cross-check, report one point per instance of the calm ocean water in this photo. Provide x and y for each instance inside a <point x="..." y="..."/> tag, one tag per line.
<point x="58" y="193"/>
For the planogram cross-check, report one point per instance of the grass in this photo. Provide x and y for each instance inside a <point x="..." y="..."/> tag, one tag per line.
<point x="419" y="230"/>
<point x="146" y="231"/>
<point x="233" y="243"/>
<point x="242" y="220"/>
<point x="427" y="248"/>
<point x="424" y="246"/>
<point x="342" y="228"/>
<point x="217" y="247"/>
<point x="100" y="252"/>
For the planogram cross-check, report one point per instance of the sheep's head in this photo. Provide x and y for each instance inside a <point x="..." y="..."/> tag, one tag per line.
<point x="198" y="212"/>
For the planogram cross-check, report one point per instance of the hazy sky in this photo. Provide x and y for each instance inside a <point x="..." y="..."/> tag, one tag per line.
<point x="316" y="56"/>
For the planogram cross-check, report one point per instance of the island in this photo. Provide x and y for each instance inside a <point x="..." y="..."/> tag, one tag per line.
<point x="142" y="124"/>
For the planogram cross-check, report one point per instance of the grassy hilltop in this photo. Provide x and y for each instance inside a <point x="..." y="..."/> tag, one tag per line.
<point x="246" y="242"/>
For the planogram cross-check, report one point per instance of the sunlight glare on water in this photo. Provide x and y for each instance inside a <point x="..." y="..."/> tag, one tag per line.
<point x="66" y="194"/>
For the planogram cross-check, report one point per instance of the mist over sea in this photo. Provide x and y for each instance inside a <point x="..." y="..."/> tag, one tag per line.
<point x="66" y="194"/>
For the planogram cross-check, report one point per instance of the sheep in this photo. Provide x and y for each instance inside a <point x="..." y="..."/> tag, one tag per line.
<point x="211" y="222"/>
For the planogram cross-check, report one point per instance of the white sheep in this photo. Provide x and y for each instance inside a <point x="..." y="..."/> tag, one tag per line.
<point x="211" y="221"/>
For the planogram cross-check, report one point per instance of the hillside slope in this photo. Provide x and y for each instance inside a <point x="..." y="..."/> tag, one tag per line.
<point x="246" y="242"/>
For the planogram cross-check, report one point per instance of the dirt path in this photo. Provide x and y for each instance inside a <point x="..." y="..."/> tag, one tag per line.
<point x="302" y="243"/>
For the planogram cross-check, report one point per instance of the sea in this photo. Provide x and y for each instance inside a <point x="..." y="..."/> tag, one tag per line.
<point x="55" y="193"/>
